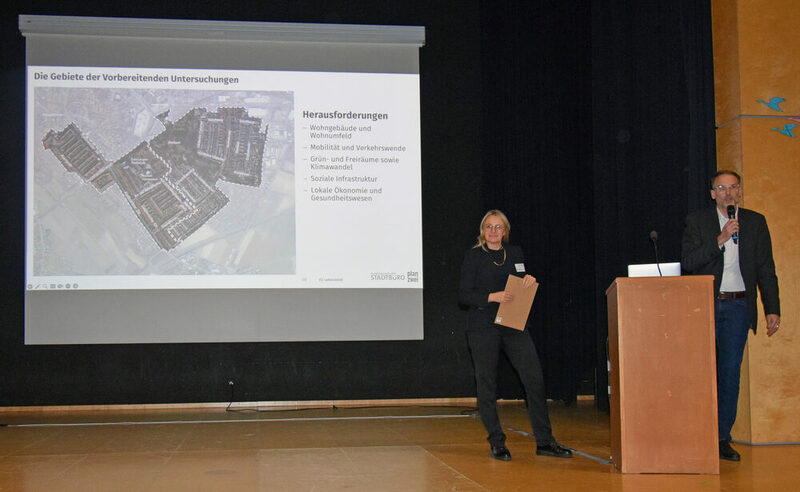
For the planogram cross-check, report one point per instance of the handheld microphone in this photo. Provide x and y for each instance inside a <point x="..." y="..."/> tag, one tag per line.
<point x="732" y="215"/>
<point x="654" y="238"/>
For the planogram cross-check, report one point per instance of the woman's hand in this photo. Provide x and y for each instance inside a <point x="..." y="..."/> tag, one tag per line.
<point x="528" y="280"/>
<point x="501" y="296"/>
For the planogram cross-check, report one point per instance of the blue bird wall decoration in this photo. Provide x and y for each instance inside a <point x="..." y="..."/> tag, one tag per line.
<point x="787" y="129"/>
<point x="773" y="103"/>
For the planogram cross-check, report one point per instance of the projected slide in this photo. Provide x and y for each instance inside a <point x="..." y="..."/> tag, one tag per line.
<point x="165" y="179"/>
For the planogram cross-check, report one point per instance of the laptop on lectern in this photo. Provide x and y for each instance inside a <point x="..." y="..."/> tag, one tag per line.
<point x="651" y="270"/>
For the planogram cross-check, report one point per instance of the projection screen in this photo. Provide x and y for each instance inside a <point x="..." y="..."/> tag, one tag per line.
<point x="205" y="181"/>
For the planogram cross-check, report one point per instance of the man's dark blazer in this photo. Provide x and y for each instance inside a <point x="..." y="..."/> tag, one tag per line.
<point x="700" y="255"/>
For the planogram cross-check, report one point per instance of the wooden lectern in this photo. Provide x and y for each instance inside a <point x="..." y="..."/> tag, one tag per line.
<point x="662" y="375"/>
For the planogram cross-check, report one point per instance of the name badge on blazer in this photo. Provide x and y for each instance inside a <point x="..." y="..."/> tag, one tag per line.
<point x="520" y="267"/>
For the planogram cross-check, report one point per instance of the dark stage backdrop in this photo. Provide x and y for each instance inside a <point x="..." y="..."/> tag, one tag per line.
<point x="588" y="123"/>
<point x="537" y="114"/>
<point x="653" y="135"/>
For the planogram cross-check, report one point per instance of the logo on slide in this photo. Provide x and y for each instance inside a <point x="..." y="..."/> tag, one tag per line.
<point x="386" y="276"/>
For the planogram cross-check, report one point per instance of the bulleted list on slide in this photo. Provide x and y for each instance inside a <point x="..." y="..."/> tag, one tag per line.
<point x="346" y="162"/>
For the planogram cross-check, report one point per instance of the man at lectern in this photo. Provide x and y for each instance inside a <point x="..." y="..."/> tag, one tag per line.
<point x="732" y="244"/>
<point x="484" y="272"/>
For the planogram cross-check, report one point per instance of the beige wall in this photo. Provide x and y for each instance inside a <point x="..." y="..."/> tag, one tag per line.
<point x="757" y="56"/>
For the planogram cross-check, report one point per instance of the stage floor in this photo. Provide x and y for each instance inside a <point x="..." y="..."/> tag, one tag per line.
<point x="328" y="449"/>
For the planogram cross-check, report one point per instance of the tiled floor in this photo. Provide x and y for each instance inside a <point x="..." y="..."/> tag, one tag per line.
<point x="366" y="449"/>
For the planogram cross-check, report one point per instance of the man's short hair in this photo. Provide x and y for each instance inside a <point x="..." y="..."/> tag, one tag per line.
<point x="723" y="173"/>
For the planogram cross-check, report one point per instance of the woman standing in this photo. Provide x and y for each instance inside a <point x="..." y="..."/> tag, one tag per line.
<point x="484" y="273"/>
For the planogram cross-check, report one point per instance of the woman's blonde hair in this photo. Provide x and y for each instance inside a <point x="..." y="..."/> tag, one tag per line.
<point x="500" y="215"/>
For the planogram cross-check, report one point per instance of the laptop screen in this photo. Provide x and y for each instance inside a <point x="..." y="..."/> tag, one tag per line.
<point x="651" y="270"/>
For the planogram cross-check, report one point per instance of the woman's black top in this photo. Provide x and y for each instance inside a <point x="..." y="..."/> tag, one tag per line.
<point x="482" y="273"/>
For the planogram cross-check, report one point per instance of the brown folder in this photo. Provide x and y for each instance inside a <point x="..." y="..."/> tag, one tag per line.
<point x="514" y="314"/>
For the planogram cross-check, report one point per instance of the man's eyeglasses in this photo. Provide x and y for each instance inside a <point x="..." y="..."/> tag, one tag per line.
<point x="722" y="188"/>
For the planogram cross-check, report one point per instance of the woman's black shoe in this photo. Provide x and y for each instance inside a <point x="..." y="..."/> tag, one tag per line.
<point x="501" y="453"/>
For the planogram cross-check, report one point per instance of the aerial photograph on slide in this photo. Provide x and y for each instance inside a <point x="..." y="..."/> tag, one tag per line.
<point x="162" y="182"/>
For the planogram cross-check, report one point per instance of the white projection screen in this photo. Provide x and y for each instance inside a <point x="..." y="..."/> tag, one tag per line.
<point x="205" y="181"/>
